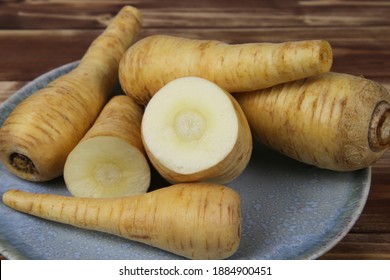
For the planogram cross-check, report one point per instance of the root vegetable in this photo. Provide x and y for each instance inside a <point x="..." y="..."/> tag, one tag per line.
<point x="38" y="135"/>
<point x="193" y="130"/>
<point x="110" y="160"/>
<point x="156" y="60"/>
<point x="334" y="121"/>
<point x="197" y="221"/>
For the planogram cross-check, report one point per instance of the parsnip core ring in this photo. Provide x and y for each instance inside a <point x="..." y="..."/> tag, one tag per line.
<point x="379" y="131"/>
<point x="190" y="124"/>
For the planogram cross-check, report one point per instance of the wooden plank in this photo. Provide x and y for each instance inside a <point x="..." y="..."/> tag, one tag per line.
<point x="361" y="246"/>
<point x="370" y="236"/>
<point x="354" y="38"/>
<point x="348" y="3"/>
<point x="375" y="217"/>
<point x="8" y="88"/>
<point x="376" y="214"/>
<point x="44" y="34"/>
<point x="48" y="49"/>
<point x="27" y="54"/>
<point x="196" y="14"/>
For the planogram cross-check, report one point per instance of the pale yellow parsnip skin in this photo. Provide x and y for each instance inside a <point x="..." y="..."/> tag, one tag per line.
<point x="39" y="134"/>
<point x="324" y="120"/>
<point x="158" y="59"/>
<point x="121" y="118"/>
<point x="110" y="160"/>
<point x="197" y="221"/>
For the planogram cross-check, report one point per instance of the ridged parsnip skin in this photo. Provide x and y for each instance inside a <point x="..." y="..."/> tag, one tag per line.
<point x="121" y="118"/>
<point x="39" y="134"/>
<point x="158" y="59"/>
<point x="324" y="120"/>
<point x="110" y="160"/>
<point x="197" y="221"/>
<point x="208" y="158"/>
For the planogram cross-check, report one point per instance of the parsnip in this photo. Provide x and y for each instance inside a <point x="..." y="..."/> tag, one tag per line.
<point x="197" y="221"/>
<point x="193" y="130"/>
<point x="38" y="135"/>
<point x="110" y="160"/>
<point x="158" y="59"/>
<point x="334" y="121"/>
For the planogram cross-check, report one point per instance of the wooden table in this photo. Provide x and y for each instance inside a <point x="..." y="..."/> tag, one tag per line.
<point x="36" y="36"/>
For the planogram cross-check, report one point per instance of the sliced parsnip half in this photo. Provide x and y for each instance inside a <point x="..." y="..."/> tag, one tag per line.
<point x="110" y="161"/>
<point x="106" y="166"/>
<point x="193" y="130"/>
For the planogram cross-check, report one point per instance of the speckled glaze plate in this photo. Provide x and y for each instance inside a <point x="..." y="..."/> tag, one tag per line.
<point x="290" y="210"/>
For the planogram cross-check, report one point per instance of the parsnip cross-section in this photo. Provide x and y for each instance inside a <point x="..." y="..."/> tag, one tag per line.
<point x="193" y="130"/>
<point x="110" y="160"/>
<point x="106" y="166"/>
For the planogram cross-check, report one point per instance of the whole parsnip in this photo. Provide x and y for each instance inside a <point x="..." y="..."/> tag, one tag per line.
<point x="197" y="221"/>
<point x="158" y="59"/>
<point x="334" y="121"/>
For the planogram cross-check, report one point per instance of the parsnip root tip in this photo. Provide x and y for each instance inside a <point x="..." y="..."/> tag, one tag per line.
<point x="22" y="163"/>
<point x="379" y="131"/>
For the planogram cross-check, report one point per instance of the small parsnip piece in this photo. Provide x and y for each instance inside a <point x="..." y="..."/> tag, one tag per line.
<point x="110" y="160"/>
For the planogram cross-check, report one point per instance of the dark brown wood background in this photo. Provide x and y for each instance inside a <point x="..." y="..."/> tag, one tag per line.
<point x="39" y="35"/>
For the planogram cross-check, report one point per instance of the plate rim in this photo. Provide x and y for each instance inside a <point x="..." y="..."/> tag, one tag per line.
<point x="365" y="191"/>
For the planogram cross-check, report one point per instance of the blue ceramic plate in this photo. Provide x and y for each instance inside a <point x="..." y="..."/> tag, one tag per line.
<point x="290" y="210"/>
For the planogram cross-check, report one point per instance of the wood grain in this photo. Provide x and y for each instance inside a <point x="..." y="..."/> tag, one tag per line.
<point x="200" y="13"/>
<point x="39" y="35"/>
<point x="50" y="48"/>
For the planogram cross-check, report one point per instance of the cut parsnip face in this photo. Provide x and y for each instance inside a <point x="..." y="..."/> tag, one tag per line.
<point x="193" y="130"/>
<point x="106" y="166"/>
<point x="110" y="160"/>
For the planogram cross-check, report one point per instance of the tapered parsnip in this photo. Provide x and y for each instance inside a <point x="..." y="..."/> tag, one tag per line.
<point x="334" y="121"/>
<point x="39" y="134"/>
<point x="156" y="60"/>
<point x="110" y="160"/>
<point x="193" y="131"/>
<point x="197" y="221"/>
